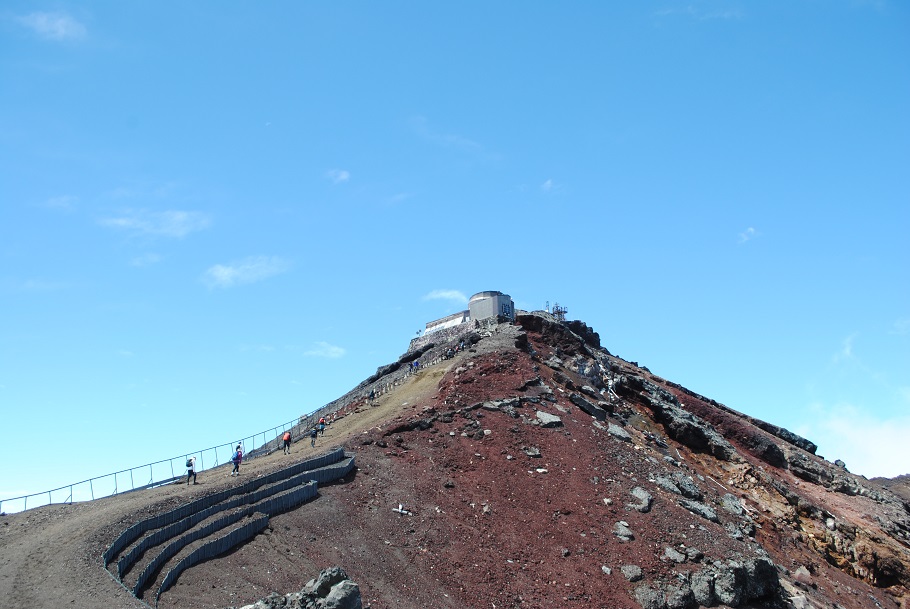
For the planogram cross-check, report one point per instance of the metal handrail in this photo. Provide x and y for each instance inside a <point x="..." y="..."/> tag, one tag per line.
<point x="152" y="482"/>
<point x="302" y="421"/>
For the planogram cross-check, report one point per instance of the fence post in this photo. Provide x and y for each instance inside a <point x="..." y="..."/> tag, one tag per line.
<point x="91" y="488"/>
<point x="132" y="484"/>
<point x="25" y="503"/>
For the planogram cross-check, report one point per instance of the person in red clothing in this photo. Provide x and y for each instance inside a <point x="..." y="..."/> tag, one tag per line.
<point x="287" y="442"/>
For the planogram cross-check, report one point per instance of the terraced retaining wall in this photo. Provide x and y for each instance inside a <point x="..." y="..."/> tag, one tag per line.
<point x="212" y="549"/>
<point x="274" y="506"/>
<point x="264" y="497"/>
<point x="133" y="533"/>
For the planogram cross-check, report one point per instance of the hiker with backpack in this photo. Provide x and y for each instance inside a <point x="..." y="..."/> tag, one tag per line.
<point x="286" y="438"/>
<point x="322" y="426"/>
<point x="237" y="459"/>
<point x="313" y="433"/>
<point x="191" y="469"/>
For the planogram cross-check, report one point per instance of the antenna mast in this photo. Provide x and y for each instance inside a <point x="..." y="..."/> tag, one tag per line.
<point x="559" y="311"/>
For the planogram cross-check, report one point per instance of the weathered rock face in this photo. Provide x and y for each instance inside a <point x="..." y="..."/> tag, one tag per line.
<point x="704" y="506"/>
<point x="331" y="590"/>
<point x="681" y="425"/>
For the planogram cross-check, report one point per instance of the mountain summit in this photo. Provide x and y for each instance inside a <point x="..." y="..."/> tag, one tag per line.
<point x="505" y="463"/>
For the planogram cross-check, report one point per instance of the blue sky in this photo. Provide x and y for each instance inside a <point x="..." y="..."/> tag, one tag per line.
<point x="215" y="217"/>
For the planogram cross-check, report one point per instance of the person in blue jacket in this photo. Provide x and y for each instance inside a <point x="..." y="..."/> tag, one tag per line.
<point x="237" y="459"/>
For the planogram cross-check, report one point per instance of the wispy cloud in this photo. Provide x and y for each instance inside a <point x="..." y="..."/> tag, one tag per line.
<point x="453" y="295"/>
<point x="901" y="327"/>
<point x="702" y="12"/>
<point x="422" y="128"/>
<point x="257" y="348"/>
<point x="172" y="223"/>
<point x="399" y="197"/>
<point x="62" y="202"/>
<point x="248" y="270"/>
<point x="338" y="176"/>
<point x="42" y="285"/>
<point x="324" y="349"/>
<point x="146" y="260"/>
<point x="869" y="445"/>
<point x="54" y="26"/>
<point x="548" y="185"/>
<point x="846" y="350"/>
<point x="747" y="235"/>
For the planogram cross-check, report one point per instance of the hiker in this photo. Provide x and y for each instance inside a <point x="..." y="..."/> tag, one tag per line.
<point x="322" y="426"/>
<point x="372" y="395"/>
<point x="286" y="438"/>
<point x="236" y="460"/>
<point x="313" y="434"/>
<point x="191" y="469"/>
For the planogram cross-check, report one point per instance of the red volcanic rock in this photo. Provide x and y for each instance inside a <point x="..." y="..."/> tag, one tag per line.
<point x="462" y="498"/>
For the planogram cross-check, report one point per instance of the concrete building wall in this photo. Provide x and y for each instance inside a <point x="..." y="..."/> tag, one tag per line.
<point x="491" y="304"/>
<point x="446" y="322"/>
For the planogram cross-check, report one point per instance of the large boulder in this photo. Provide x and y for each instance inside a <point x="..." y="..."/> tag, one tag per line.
<point x="332" y="589"/>
<point x="592" y="409"/>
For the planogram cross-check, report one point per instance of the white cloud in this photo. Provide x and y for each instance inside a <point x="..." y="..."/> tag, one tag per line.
<point x="258" y="348"/>
<point x="747" y="235"/>
<point x="422" y="128"/>
<point x="548" y="186"/>
<point x="901" y="327"/>
<point x="324" y="349"/>
<point x="846" y="350"/>
<point x="453" y="295"/>
<point x="171" y="223"/>
<point x="64" y="202"/>
<point x="701" y="13"/>
<point x="869" y="445"/>
<point x="248" y="270"/>
<point x="54" y="26"/>
<point x="42" y="285"/>
<point x="399" y="197"/>
<point x="146" y="260"/>
<point x="337" y="176"/>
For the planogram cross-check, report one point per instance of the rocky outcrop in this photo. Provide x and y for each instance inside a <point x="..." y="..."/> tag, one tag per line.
<point x="733" y="583"/>
<point x="598" y="411"/>
<point x="681" y="425"/>
<point x="331" y="590"/>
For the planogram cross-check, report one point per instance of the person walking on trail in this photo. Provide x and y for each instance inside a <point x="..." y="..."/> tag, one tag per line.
<point x="237" y="459"/>
<point x="191" y="470"/>
<point x="286" y="438"/>
<point x="322" y="426"/>
<point x="372" y="395"/>
<point x="313" y="434"/>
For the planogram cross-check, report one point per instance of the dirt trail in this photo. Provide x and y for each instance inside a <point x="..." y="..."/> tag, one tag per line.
<point x="50" y="556"/>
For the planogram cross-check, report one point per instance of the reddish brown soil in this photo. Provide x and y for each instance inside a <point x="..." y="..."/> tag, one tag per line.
<point x="487" y="529"/>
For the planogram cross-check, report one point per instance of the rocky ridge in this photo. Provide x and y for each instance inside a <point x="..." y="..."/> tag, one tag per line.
<point x="534" y="469"/>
